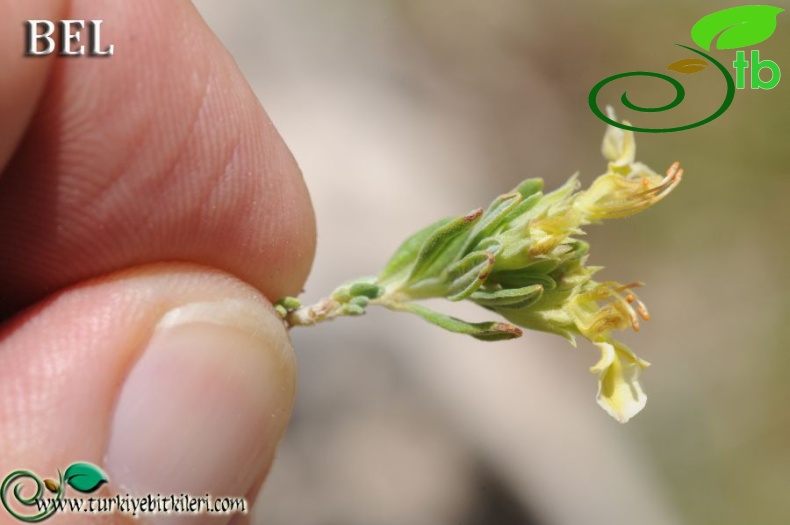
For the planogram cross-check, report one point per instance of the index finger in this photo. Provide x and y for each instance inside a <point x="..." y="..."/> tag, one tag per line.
<point x="160" y="152"/>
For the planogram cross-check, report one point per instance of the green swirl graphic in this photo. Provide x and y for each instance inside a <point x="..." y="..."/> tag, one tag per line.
<point x="680" y="94"/>
<point x="29" y="501"/>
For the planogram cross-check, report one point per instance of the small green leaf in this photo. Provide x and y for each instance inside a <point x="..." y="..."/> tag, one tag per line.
<point x="495" y="331"/>
<point x="360" y="301"/>
<point x="740" y="26"/>
<point x="518" y="215"/>
<point x="353" y="309"/>
<point x="490" y="245"/>
<point x="557" y="196"/>
<point x="509" y="297"/>
<point x="544" y="266"/>
<point x="437" y="249"/>
<point x="84" y="477"/>
<point x="358" y="292"/>
<point x="515" y="250"/>
<point x="687" y="65"/>
<point x="289" y="303"/>
<point x="341" y="295"/>
<point x="489" y="331"/>
<point x="363" y="289"/>
<point x="403" y="258"/>
<point x="530" y="187"/>
<point x="468" y="274"/>
<point x="281" y="311"/>
<point x="492" y="218"/>
<point x="522" y="278"/>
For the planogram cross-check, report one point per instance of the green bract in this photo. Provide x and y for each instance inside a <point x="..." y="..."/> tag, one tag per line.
<point x="521" y="259"/>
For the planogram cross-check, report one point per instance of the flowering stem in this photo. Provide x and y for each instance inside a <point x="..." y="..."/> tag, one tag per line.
<point x="350" y="299"/>
<point x="522" y="259"/>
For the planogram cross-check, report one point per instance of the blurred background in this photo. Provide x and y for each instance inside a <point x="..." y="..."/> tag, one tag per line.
<point x="404" y="111"/>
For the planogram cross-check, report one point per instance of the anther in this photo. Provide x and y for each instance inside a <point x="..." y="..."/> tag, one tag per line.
<point x="642" y="309"/>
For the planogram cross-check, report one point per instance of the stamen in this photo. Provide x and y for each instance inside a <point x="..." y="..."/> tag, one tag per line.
<point x="667" y="184"/>
<point x="629" y="299"/>
<point x="620" y="307"/>
<point x="674" y="170"/>
<point x="642" y="310"/>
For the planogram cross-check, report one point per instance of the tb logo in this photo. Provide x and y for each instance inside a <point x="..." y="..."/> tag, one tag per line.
<point x="741" y="65"/>
<point x="732" y="28"/>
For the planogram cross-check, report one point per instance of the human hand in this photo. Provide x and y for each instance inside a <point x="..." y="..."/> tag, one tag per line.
<point x="148" y="209"/>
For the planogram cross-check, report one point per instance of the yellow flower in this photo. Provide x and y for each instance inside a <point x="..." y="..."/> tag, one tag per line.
<point x="627" y="191"/>
<point x="627" y="187"/>
<point x="611" y="306"/>
<point x="619" y="391"/>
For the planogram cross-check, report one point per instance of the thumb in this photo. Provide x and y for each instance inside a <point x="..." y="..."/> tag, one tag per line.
<point x="174" y="379"/>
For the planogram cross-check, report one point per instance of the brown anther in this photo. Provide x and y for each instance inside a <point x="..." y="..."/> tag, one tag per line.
<point x="629" y="298"/>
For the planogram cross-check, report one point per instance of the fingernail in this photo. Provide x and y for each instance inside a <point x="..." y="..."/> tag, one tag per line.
<point x="204" y="407"/>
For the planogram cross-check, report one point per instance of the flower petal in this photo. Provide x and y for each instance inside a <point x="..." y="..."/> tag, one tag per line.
<point x="618" y="146"/>
<point x="620" y="194"/>
<point x="619" y="391"/>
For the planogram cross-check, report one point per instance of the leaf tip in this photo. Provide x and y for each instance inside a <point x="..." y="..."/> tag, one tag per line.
<point x="499" y="332"/>
<point x="507" y="328"/>
<point x="473" y="215"/>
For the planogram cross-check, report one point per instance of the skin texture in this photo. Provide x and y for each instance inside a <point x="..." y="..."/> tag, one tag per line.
<point x="149" y="211"/>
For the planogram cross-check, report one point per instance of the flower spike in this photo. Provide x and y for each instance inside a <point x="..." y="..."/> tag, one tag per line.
<point x="521" y="258"/>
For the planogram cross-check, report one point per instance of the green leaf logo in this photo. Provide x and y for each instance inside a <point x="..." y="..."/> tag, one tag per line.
<point x="84" y="477"/>
<point x="741" y="26"/>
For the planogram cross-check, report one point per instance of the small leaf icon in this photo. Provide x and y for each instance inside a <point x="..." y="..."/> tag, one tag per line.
<point x="51" y="485"/>
<point x="740" y="26"/>
<point x="688" y="65"/>
<point x="84" y="477"/>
